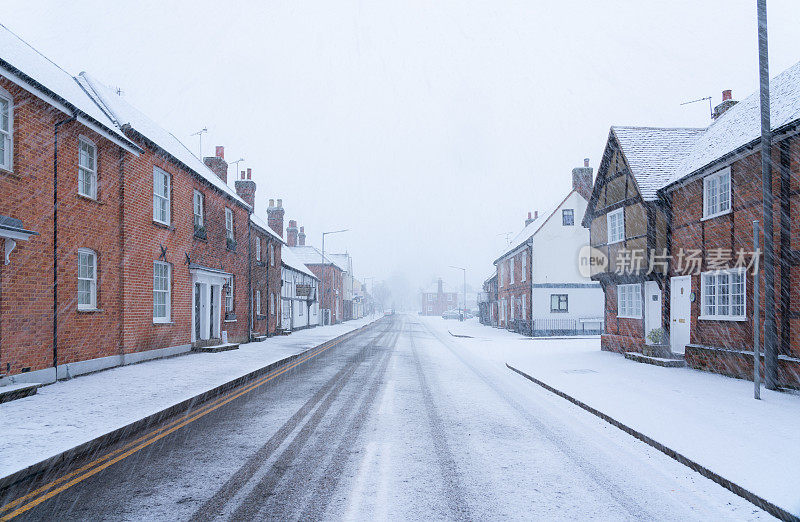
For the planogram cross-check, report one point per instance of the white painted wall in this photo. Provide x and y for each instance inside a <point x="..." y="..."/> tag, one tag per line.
<point x="583" y="303"/>
<point x="556" y="247"/>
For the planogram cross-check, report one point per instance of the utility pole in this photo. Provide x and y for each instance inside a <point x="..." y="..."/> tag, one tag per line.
<point x="322" y="282"/>
<point x="770" y="330"/>
<point x="756" y="323"/>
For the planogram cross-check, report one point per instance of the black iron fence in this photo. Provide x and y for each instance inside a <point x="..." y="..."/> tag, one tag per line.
<point x="548" y="327"/>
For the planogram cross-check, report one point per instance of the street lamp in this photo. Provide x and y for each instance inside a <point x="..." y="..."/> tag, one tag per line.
<point x="322" y="283"/>
<point x="464" y="310"/>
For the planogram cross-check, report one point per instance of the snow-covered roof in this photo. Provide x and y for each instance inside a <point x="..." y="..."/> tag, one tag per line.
<point x="309" y="255"/>
<point x="27" y="67"/>
<point x="654" y="154"/>
<point x="124" y="114"/>
<point x="531" y="229"/>
<point x="290" y="259"/>
<point x="260" y="223"/>
<point x="340" y="260"/>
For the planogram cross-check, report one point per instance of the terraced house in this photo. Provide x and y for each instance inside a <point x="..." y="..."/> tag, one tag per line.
<point x="695" y="193"/>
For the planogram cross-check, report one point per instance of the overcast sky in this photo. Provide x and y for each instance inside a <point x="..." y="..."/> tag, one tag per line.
<point x="428" y="128"/>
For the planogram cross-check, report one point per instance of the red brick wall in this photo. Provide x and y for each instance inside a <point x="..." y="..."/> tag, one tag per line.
<point x="439" y="303"/>
<point x="334" y="292"/>
<point x="267" y="278"/>
<point x="26" y="285"/>
<point x="735" y="231"/>
<point x="506" y="290"/>
<point x="144" y="239"/>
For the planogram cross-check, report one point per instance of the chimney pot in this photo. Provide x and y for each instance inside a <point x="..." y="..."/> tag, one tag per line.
<point x="242" y="174"/>
<point x="529" y="215"/>
<point x="220" y="152"/>
<point x="249" y="172"/>
<point x="280" y="203"/>
<point x="535" y="214"/>
<point x="727" y="95"/>
<point x="585" y="162"/>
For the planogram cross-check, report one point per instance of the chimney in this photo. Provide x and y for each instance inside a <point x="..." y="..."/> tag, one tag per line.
<point x="301" y="237"/>
<point x="529" y="220"/>
<point x="246" y="188"/>
<point x="217" y="163"/>
<point x="727" y="103"/>
<point x="582" y="179"/>
<point x="291" y="233"/>
<point x="275" y="216"/>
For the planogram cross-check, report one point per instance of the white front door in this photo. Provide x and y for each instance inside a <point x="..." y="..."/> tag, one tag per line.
<point x="652" y="307"/>
<point x="680" y="313"/>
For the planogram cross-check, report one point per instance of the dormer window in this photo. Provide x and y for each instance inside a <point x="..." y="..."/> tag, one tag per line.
<point x="87" y="168"/>
<point x="717" y="193"/>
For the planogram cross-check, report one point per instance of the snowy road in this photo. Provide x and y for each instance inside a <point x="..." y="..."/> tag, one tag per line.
<point x="394" y="423"/>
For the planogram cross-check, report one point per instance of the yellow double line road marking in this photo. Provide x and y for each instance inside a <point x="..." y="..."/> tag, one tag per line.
<point x="132" y="447"/>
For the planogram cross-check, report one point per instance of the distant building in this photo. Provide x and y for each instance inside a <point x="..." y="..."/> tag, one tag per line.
<point x="487" y="301"/>
<point x="436" y="300"/>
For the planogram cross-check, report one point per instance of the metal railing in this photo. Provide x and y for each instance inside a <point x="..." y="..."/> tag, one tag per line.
<point x="549" y="327"/>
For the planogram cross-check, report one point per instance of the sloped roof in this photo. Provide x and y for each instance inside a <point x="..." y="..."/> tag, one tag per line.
<point x="531" y="229"/>
<point x="341" y="260"/>
<point x="124" y="114"/>
<point x="654" y="154"/>
<point x="37" y="72"/>
<point x="290" y="259"/>
<point x="260" y="223"/>
<point x="309" y="255"/>
<point x="741" y="124"/>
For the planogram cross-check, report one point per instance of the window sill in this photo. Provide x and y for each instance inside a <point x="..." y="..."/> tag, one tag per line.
<point x="728" y="318"/>
<point x="629" y="317"/>
<point x="609" y="243"/>
<point x="163" y="225"/>
<point x="229" y="321"/>
<point x="201" y="236"/>
<point x="712" y="216"/>
<point x="89" y="198"/>
<point x="155" y="322"/>
<point x="89" y="310"/>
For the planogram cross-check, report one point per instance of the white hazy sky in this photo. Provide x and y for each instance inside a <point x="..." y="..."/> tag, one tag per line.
<point x="427" y="128"/>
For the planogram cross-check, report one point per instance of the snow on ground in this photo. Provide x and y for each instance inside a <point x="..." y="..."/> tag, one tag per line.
<point x="68" y="413"/>
<point x="709" y="418"/>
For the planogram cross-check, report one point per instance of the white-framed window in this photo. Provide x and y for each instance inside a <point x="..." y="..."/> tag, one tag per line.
<point x="559" y="303"/>
<point x="229" y="224"/>
<point x="258" y="302"/>
<point x="430" y="309"/>
<point x="430" y="298"/>
<point x="258" y="248"/>
<point x="6" y="130"/>
<point x="87" y="279"/>
<point x="198" y="209"/>
<point x="717" y="193"/>
<point x="229" y="295"/>
<point x="272" y="303"/>
<point x="723" y="295"/>
<point x="500" y="273"/>
<point x="511" y="269"/>
<point x="616" y="225"/>
<point x="300" y="309"/>
<point x="271" y="254"/>
<point x="162" y="286"/>
<point x="568" y="217"/>
<point x="87" y="168"/>
<point x="524" y="311"/>
<point x="162" y="191"/>
<point x="511" y="318"/>
<point x="524" y="264"/>
<point x="629" y="301"/>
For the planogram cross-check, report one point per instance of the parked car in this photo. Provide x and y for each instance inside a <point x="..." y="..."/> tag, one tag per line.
<point x="451" y="314"/>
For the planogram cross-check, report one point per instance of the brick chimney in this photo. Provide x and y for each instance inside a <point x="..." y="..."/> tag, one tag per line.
<point x="246" y="188"/>
<point x="727" y="103"/>
<point x="582" y="179"/>
<point x="275" y="216"/>
<point x="301" y="237"/>
<point x="291" y="233"/>
<point x="217" y="163"/>
<point x="530" y="219"/>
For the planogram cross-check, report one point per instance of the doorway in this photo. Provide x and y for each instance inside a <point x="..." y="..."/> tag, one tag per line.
<point x="680" y="313"/>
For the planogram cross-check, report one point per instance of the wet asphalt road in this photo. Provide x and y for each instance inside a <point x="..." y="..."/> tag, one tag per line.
<point x="394" y="423"/>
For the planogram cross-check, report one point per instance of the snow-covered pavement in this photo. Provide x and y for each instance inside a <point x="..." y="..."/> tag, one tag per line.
<point x="66" y="414"/>
<point x="708" y="418"/>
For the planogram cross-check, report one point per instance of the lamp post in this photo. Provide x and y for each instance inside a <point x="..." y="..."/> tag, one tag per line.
<point x="463" y="310"/>
<point x="322" y="283"/>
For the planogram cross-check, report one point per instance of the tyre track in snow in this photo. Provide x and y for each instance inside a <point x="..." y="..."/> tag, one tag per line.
<point x="595" y="474"/>
<point x="453" y="486"/>
<point x="216" y="504"/>
<point x="292" y="466"/>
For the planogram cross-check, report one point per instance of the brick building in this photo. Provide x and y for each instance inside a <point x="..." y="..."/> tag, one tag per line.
<point x="487" y="301"/>
<point x="437" y="299"/>
<point x="329" y="274"/>
<point x="686" y="199"/>
<point x="540" y="289"/>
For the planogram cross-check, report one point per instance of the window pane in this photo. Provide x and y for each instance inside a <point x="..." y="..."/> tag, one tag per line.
<point x="4" y="105"/>
<point x="724" y="192"/>
<point x="710" y="294"/>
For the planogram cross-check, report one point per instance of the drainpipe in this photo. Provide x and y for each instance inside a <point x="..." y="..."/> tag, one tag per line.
<point x="530" y="274"/>
<point x="250" y="280"/>
<point x="55" y="239"/>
